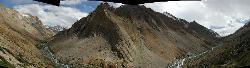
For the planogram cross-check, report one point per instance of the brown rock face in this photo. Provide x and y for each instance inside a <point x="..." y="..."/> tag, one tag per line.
<point x="18" y="37"/>
<point x="128" y="36"/>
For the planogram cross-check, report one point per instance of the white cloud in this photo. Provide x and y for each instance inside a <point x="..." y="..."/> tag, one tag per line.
<point x="52" y="15"/>
<point x="18" y="2"/>
<point x="115" y="5"/>
<point x="71" y="2"/>
<point x="223" y="16"/>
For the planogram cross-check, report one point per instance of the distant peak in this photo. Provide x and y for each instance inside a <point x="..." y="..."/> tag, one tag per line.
<point x="194" y="22"/>
<point x="104" y="5"/>
<point x="247" y="24"/>
<point x="134" y="6"/>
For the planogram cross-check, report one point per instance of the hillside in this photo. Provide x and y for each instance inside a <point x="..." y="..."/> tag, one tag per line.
<point x="128" y="36"/>
<point x="234" y="52"/>
<point x="19" y="35"/>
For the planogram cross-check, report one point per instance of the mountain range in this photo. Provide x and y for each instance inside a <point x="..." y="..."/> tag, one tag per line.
<point x="130" y="36"/>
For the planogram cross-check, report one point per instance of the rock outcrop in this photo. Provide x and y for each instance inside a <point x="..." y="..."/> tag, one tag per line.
<point x="128" y="36"/>
<point x="19" y="35"/>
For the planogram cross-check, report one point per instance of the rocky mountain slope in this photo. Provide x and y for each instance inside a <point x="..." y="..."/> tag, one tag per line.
<point x="19" y="35"/>
<point x="129" y="36"/>
<point x="234" y="53"/>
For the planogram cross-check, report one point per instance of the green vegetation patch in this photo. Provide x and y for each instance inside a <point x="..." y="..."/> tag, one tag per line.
<point x="243" y="60"/>
<point x="20" y="58"/>
<point x="42" y="43"/>
<point x="4" y="63"/>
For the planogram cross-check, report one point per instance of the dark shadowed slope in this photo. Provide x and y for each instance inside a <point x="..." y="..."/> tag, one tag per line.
<point x="235" y="52"/>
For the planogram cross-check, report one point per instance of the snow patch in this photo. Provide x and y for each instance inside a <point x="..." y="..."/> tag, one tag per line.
<point x="217" y="35"/>
<point x="25" y="15"/>
<point x="170" y="16"/>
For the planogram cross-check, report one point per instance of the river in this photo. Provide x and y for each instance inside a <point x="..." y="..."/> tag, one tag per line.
<point x="180" y="62"/>
<point x="46" y="51"/>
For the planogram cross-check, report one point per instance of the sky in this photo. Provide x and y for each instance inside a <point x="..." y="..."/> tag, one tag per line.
<point x="222" y="16"/>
